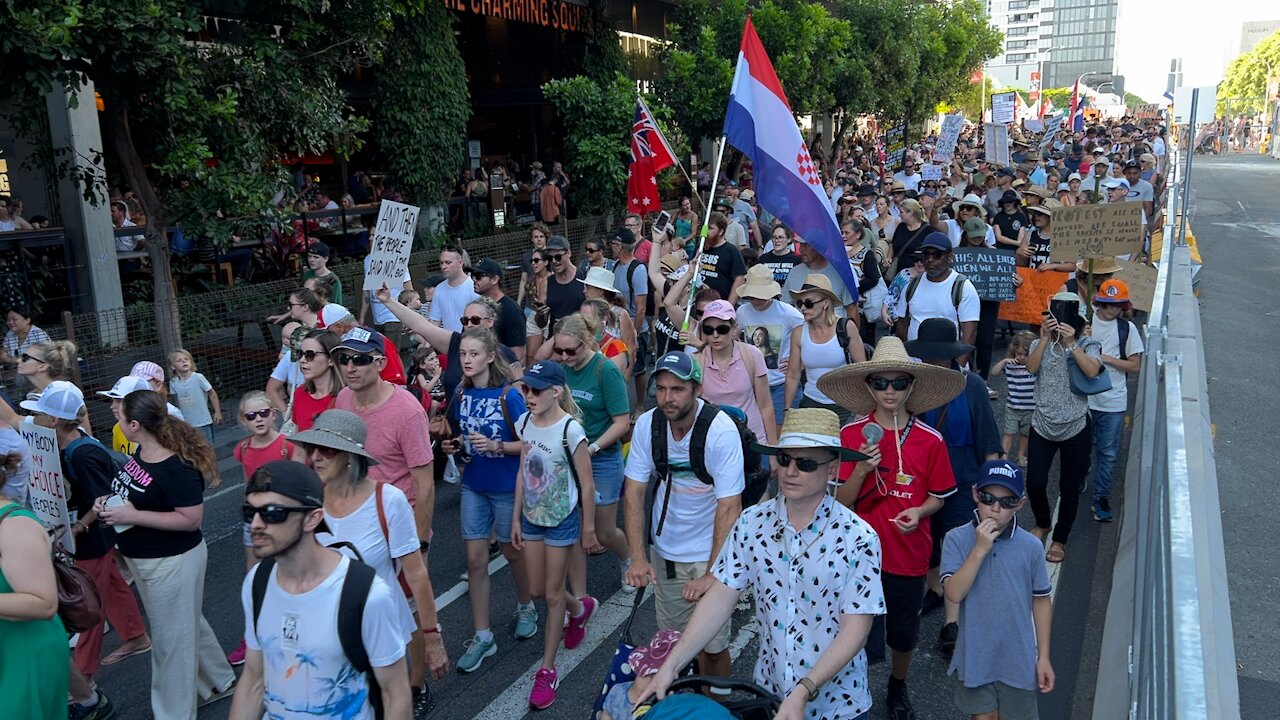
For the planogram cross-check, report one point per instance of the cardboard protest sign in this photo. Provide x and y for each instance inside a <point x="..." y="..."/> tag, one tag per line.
<point x="1033" y="124"/>
<point x="1003" y="108"/>
<point x="1033" y="296"/>
<point x="996" y="140"/>
<point x="931" y="172"/>
<point x="47" y="492"/>
<point x="1111" y="229"/>
<point x="947" y="137"/>
<point x="990" y="269"/>
<point x="1051" y="128"/>
<point x="1141" y="280"/>
<point x="390" y="244"/>
<point x="895" y="146"/>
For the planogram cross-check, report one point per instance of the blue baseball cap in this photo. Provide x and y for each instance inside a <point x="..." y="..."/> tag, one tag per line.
<point x="682" y="365"/>
<point x="937" y="241"/>
<point x="362" y="340"/>
<point x="543" y="375"/>
<point x="1002" y="473"/>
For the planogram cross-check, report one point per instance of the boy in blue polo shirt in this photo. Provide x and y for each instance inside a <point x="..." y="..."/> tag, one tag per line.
<point x="996" y="572"/>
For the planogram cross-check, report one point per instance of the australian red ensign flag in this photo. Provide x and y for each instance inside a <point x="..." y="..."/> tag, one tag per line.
<point x="650" y="154"/>
<point x="760" y="124"/>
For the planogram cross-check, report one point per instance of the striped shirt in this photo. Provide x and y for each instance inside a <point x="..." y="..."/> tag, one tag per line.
<point x="1022" y="386"/>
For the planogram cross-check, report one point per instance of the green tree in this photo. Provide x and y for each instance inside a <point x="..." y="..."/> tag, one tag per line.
<point x="1244" y="87"/>
<point x="954" y="40"/>
<point x="194" y="108"/>
<point x="597" y="116"/>
<point x="421" y="105"/>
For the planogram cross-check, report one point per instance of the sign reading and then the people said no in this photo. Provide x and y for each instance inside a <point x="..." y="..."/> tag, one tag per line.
<point x="47" y="491"/>
<point x="991" y="270"/>
<point x="1111" y="229"/>
<point x="390" y="245"/>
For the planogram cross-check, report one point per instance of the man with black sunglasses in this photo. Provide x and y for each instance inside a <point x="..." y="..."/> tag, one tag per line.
<point x="564" y="292"/>
<point x="509" y="324"/>
<point x="295" y="620"/>
<point x="996" y="572"/>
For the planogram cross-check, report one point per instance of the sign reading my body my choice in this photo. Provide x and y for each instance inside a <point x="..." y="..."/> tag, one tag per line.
<point x="47" y="492"/>
<point x="991" y="270"/>
<point x="390" y="245"/>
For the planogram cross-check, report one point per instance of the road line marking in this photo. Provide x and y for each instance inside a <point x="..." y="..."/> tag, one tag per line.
<point x="223" y="491"/>
<point x="457" y="591"/>
<point x="514" y="701"/>
<point x="1055" y="569"/>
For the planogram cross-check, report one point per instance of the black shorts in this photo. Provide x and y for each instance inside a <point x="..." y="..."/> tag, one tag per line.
<point x="899" y="627"/>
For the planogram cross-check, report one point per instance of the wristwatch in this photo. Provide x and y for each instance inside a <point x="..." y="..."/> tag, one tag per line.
<point x="594" y="448"/>
<point x="423" y="546"/>
<point x="809" y="687"/>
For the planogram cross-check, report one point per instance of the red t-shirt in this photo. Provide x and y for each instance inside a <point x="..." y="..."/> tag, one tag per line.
<point x="306" y="408"/>
<point x="251" y="458"/>
<point x="924" y="454"/>
<point x="394" y="370"/>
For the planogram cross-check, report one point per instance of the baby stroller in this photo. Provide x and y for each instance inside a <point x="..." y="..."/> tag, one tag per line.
<point x="748" y="701"/>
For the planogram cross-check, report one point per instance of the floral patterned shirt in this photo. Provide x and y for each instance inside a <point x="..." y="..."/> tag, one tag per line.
<point x="803" y="581"/>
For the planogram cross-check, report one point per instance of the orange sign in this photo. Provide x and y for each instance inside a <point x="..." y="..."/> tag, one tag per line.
<point x="1033" y="296"/>
<point x="555" y="14"/>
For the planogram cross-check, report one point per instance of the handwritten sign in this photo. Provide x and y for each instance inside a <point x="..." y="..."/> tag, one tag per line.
<point x="895" y="146"/>
<point x="390" y="244"/>
<point x="931" y="172"/>
<point x="1003" y="107"/>
<point x="1034" y="125"/>
<point x="1051" y="130"/>
<point x="1141" y="279"/>
<point x="1033" y="296"/>
<point x="47" y="493"/>
<point x="946" y="149"/>
<point x="996" y="140"/>
<point x="1111" y="229"/>
<point x="990" y="269"/>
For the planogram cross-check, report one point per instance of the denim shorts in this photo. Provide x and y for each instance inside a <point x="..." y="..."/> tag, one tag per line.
<point x="606" y="472"/>
<point x="566" y="534"/>
<point x="482" y="511"/>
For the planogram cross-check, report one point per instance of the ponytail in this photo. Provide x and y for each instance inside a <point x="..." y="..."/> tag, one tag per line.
<point x="149" y="410"/>
<point x="59" y="355"/>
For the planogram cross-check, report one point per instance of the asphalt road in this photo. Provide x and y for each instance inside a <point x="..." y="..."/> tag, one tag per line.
<point x="1237" y="226"/>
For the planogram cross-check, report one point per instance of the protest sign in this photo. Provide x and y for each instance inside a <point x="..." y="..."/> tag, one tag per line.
<point x="389" y="245"/>
<point x="1033" y="296"/>
<point x="1051" y="128"/>
<point x="946" y="148"/>
<point x="991" y="270"/>
<point x="931" y="172"/>
<point x="1003" y="107"/>
<point x="895" y="146"/>
<point x="47" y="493"/>
<point x="1141" y="279"/>
<point x="1111" y="229"/>
<point x="1033" y="124"/>
<point x="996" y="140"/>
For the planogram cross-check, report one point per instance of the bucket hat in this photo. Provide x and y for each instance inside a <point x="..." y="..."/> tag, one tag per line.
<point x="760" y="284"/>
<point x="340" y="430"/>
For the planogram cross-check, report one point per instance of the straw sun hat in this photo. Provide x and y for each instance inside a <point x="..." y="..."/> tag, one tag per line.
<point x="816" y="428"/>
<point x="933" y="387"/>
<point x="760" y="284"/>
<point x="816" y="282"/>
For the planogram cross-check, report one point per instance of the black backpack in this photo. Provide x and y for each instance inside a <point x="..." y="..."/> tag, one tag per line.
<point x="355" y="592"/>
<point x="957" y="296"/>
<point x="755" y="481"/>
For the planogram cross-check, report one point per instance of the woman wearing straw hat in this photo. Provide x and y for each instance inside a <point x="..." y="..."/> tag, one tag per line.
<point x="815" y="346"/>
<point x="377" y="520"/>
<point x="1101" y="267"/>
<point x="810" y="653"/>
<point x="767" y="323"/>
<point x="903" y="481"/>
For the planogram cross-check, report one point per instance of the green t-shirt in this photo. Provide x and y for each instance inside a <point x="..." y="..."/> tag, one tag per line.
<point x="601" y="393"/>
<point x="337" y="284"/>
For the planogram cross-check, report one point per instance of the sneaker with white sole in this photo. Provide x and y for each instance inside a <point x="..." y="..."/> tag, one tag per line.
<point x="475" y="651"/>
<point x="526" y="622"/>
<point x="577" y="628"/>
<point x="1102" y="510"/>
<point x="545" y="682"/>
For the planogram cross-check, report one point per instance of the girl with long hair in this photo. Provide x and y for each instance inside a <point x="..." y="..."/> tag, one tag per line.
<point x="321" y="379"/>
<point x="482" y="413"/>
<point x="815" y="346"/>
<point x="156" y="508"/>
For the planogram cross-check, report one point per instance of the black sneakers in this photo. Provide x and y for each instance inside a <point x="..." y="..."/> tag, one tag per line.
<point x="899" y="703"/>
<point x="932" y="601"/>
<point x="947" y="637"/>
<point x="104" y="710"/>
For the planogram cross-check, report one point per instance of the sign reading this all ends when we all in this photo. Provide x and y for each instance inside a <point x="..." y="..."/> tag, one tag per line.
<point x="570" y="15"/>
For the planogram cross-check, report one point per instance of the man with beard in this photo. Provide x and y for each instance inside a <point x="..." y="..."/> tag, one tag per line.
<point x="940" y="292"/>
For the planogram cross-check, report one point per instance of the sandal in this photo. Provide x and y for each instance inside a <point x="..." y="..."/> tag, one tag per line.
<point x="1040" y="533"/>
<point x="598" y="550"/>
<point x="120" y="654"/>
<point x="1057" y="552"/>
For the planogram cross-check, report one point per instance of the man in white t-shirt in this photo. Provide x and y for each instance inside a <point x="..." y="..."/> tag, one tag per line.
<point x="293" y="622"/>
<point x="908" y="175"/>
<point x="1107" y="408"/>
<point x="934" y="295"/>
<point x="767" y="322"/>
<point x="691" y="518"/>
<point x="453" y="294"/>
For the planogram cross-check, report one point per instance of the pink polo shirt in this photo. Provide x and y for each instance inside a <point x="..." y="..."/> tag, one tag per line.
<point x="399" y="437"/>
<point x="732" y="386"/>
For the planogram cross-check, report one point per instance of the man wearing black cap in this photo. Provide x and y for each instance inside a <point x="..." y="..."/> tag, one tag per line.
<point x="318" y="267"/>
<point x="293" y="620"/>
<point x="564" y="292"/>
<point x="867" y="201"/>
<point x="1139" y="190"/>
<point x="734" y="232"/>
<point x="509" y="325"/>
<point x="940" y="292"/>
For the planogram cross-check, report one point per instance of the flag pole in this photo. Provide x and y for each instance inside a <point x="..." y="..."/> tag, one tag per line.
<point x="702" y="236"/>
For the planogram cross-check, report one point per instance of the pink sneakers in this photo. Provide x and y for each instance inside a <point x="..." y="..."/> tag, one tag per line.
<point x="236" y="657"/>
<point x="576" y="630"/>
<point x="545" y="682"/>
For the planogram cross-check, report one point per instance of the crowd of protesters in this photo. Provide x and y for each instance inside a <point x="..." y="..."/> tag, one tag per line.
<point x="833" y="451"/>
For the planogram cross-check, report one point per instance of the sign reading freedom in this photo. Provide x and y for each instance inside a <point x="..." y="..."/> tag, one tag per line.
<point x="1112" y="229"/>
<point x="991" y="270"/>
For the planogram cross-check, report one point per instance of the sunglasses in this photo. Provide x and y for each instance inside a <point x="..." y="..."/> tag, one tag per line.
<point x="802" y="464"/>
<point x="531" y="390"/>
<point x="537" y="259"/>
<point x="716" y="329"/>
<point x="594" y="249"/>
<point x="255" y="414"/>
<point x="931" y="186"/>
<point x="357" y="360"/>
<point x="882" y="384"/>
<point x="271" y="514"/>
<point x="1008" y="503"/>
<point x="566" y="351"/>
<point x="310" y="355"/>
<point x="555" y="258"/>
<point x="471" y="320"/>
<point x="808" y="304"/>
<point x="932" y="254"/>
<point x="325" y="452"/>
<point x="25" y="357"/>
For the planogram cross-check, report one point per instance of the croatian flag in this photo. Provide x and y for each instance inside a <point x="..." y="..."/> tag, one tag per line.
<point x="760" y="124"/>
<point x="1077" y="109"/>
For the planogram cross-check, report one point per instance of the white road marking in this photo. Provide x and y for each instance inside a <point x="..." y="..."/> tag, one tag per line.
<point x="457" y="591"/>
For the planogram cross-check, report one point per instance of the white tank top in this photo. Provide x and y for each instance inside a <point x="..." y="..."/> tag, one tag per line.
<point x="819" y="359"/>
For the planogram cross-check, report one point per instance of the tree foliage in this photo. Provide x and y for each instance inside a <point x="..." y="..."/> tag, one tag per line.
<point x="1244" y="86"/>
<point x="597" y="115"/>
<point x="199" y="113"/>
<point x="421" y="105"/>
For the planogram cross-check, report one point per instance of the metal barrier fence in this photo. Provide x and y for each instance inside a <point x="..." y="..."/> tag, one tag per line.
<point x="1167" y="650"/>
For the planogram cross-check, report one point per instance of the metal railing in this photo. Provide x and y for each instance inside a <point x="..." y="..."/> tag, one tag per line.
<point x="1167" y="649"/>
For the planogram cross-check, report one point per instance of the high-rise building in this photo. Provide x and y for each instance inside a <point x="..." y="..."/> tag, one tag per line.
<point x="1061" y="38"/>
<point x="1252" y="33"/>
<point x="1028" y="35"/>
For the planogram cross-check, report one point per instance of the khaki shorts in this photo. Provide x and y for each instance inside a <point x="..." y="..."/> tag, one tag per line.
<point x="673" y="611"/>
<point x="1017" y="422"/>
<point x="531" y="328"/>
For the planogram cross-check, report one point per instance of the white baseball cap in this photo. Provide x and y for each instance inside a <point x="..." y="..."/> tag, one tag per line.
<point x="60" y="399"/>
<point x="124" y="386"/>
<point x="334" y="313"/>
